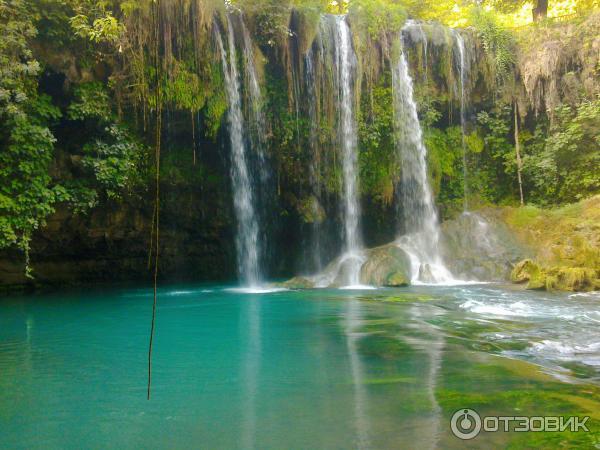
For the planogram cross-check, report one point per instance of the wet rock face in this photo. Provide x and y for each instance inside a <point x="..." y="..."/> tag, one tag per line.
<point x="479" y="247"/>
<point x="110" y="244"/>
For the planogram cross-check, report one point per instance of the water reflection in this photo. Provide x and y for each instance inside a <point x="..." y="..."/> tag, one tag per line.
<point x="353" y="322"/>
<point x="251" y="337"/>
<point x="432" y="346"/>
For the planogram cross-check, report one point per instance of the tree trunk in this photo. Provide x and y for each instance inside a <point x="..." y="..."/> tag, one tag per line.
<point x="540" y="11"/>
<point x="518" y="152"/>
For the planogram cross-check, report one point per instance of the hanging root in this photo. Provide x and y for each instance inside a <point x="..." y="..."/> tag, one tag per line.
<point x="157" y="192"/>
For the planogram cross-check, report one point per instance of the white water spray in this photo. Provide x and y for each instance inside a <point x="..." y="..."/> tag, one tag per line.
<point x="346" y="65"/>
<point x="422" y="234"/>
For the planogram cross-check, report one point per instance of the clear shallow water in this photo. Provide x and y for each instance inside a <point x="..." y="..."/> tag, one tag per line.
<point x="321" y="369"/>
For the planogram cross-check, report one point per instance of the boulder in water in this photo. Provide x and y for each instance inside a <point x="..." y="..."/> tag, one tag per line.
<point x="425" y="274"/>
<point x="388" y="265"/>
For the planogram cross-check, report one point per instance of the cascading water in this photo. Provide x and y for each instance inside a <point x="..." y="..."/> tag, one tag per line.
<point x="247" y="242"/>
<point x="463" y="68"/>
<point x="257" y="134"/>
<point x="418" y="35"/>
<point x="258" y="122"/>
<point x="336" y="38"/>
<point x="422" y="235"/>
<point x="315" y="166"/>
<point x="346" y="65"/>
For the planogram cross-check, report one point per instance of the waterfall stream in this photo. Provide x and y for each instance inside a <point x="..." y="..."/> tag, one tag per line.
<point x="422" y="234"/>
<point x="337" y="51"/>
<point x="418" y="35"/>
<point x="247" y="236"/>
<point x="463" y="70"/>
<point x="336" y="32"/>
<point x="346" y="65"/>
<point x="257" y="122"/>
<point x="315" y="164"/>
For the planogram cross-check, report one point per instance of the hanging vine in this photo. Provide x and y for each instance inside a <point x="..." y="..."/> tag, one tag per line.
<point x="155" y="221"/>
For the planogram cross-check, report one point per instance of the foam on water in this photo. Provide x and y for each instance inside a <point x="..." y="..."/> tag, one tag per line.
<point x="556" y="328"/>
<point x="255" y="290"/>
<point x="513" y="309"/>
<point x="358" y="287"/>
<point x="593" y="294"/>
<point x="588" y="354"/>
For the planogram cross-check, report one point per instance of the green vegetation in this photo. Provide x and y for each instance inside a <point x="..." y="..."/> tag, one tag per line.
<point x="27" y="195"/>
<point x="81" y="83"/>
<point x="563" y="167"/>
<point x="566" y="244"/>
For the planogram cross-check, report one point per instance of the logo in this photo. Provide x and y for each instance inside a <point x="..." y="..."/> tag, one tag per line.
<point x="465" y="424"/>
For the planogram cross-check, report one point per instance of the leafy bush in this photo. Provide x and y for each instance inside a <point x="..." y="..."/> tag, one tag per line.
<point x="91" y="100"/>
<point x="498" y="42"/>
<point x="563" y="166"/>
<point x="116" y="161"/>
<point x="378" y="16"/>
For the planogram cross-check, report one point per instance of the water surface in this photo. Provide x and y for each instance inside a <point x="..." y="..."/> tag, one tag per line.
<point x="321" y="369"/>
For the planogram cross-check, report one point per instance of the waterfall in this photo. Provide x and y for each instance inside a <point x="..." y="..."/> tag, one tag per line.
<point x="463" y="71"/>
<point x="420" y="36"/>
<point x="422" y="234"/>
<point x="247" y="242"/>
<point x="258" y="122"/>
<point x="339" y="63"/>
<point x="345" y="79"/>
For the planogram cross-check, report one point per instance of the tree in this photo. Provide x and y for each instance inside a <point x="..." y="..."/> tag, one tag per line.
<point x="540" y="11"/>
<point x="27" y="194"/>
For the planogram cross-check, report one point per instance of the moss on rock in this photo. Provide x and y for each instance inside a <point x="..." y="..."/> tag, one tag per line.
<point x="555" y="278"/>
<point x="298" y="283"/>
<point x="522" y="271"/>
<point x="386" y="266"/>
<point x="565" y="243"/>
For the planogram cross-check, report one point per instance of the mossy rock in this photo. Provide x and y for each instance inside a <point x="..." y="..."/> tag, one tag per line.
<point x="524" y="271"/>
<point x="298" y="283"/>
<point x="388" y="265"/>
<point x="555" y="278"/>
<point x="575" y="279"/>
<point x="397" y="279"/>
<point x="529" y="272"/>
<point x="311" y="211"/>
